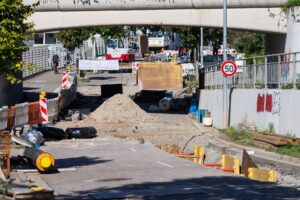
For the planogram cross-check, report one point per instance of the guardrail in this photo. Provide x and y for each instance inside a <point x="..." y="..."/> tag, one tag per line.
<point x="29" y="113"/>
<point x="270" y="71"/>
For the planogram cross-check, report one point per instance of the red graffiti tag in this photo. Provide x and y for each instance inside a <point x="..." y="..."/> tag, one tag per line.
<point x="269" y="103"/>
<point x="260" y="103"/>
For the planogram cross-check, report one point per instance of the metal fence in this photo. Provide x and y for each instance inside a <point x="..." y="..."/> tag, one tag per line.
<point x="39" y="58"/>
<point x="271" y="71"/>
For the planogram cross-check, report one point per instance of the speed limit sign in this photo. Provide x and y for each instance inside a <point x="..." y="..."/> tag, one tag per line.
<point x="229" y="68"/>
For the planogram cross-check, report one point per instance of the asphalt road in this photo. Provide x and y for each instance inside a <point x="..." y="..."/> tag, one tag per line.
<point x="107" y="168"/>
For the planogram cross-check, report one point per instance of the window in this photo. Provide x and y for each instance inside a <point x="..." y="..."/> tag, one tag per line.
<point x="50" y="38"/>
<point x="38" y="38"/>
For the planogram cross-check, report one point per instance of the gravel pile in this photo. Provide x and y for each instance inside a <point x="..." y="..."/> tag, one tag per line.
<point x="120" y="108"/>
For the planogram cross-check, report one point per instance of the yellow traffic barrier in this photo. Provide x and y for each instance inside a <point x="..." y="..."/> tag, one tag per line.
<point x="237" y="166"/>
<point x="230" y="164"/>
<point x="262" y="175"/>
<point x="201" y="154"/>
<point x="227" y="161"/>
<point x="196" y="153"/>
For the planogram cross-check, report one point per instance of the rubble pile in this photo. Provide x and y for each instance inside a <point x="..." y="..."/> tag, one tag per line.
<point x="120" y="108"/>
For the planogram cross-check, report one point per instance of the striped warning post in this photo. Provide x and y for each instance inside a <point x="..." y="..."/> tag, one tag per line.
<point x="65" y="80"/>
<point x="135" y="67"/>
<point x="44" y="110"/>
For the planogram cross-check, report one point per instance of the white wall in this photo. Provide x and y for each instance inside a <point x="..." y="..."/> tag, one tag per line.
<point x="284" y="113"/>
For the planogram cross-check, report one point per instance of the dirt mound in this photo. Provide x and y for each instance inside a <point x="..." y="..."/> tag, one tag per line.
<point x="120" y="108"/>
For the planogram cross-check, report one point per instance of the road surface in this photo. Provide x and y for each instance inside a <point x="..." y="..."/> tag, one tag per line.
<point x="107" y="168"/>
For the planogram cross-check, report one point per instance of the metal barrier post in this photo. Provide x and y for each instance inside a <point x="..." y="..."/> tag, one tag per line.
<point x="254" y="73"/>
<point x="279" y="71"/>
<point x="294" y="71"/>
<point x="266" y="72"/>
<point x="244" y="77"/>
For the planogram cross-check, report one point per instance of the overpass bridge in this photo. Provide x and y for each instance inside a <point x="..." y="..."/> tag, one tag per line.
<point x="255" y="15"/>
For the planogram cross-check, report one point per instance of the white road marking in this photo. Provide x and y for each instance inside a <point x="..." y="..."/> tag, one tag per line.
<point x="132" y="149"/>
<point x="165" y="164"/>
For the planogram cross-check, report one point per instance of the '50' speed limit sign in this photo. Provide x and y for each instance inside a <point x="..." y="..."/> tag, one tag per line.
<point x="229" y="68"/>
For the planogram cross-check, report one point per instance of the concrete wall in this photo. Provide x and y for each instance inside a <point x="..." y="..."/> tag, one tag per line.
<point x="262" y="107"/>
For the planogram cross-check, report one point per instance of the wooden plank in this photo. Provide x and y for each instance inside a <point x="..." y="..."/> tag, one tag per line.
<point x="160" y="76"/>
<point x="272" y="139"/>
<point x="292" y="140"/>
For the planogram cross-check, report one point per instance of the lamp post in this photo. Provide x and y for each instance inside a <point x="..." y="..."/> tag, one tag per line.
<point x="225" y="111"/>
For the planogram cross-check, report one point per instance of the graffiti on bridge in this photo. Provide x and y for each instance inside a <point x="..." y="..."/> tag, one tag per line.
<point x="90" y="2"/>
<point x="269" y="103"/>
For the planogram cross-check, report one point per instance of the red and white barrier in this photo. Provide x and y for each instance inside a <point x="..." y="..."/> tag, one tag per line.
<point x="65" y="80"/>
<point x="44" y="110"/>
<point x="135" y="67"/>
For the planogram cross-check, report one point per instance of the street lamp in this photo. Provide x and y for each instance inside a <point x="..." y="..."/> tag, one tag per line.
<point x="225" y="113"/>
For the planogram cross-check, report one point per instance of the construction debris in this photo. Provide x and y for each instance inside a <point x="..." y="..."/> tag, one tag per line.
<point x="276" y="140"/>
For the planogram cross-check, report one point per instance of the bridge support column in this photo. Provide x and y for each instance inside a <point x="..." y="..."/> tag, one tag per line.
<point x="293" y="29"/>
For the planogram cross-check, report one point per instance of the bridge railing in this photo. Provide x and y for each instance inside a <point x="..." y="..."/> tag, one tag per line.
<point x="280" y="71"/>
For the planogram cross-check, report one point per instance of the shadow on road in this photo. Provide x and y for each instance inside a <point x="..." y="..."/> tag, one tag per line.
<point x="78" y="161"/>
<point x="197" y="188"/>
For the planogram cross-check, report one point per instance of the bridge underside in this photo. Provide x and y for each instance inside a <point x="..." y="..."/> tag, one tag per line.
<point x="253" y="19"/>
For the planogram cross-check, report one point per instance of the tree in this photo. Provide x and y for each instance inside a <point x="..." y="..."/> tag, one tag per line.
<point x="72" y="38"/>
<point x="13" y="32"/>
<point x="250" y="43"/>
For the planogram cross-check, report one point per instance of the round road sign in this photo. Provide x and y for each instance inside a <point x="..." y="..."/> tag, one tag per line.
<point x="229" y="68"/>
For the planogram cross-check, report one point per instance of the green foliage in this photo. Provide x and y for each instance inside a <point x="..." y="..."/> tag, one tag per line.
<point x="290" y="4"/>
<point x="290" y="150"/>
<point x="250" y="43"/>
<point x="13" y="32"/>
<point x="72" y="38"/>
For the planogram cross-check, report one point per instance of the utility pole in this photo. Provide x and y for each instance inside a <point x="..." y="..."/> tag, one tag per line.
<point x="201" y="47"/>
<point x="225" y="105"/>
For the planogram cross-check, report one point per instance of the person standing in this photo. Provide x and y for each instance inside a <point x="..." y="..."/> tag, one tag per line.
<point x="55" y="61"/>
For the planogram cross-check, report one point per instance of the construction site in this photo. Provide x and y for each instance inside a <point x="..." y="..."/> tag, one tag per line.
<point x="137" y="134"/>
<point x="149" y="99"/>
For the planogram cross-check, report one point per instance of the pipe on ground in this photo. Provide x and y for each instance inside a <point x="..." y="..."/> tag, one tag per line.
<point x="43" y="161"/>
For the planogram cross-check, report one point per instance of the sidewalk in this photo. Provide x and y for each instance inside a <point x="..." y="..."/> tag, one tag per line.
<point x="45" y="81"/>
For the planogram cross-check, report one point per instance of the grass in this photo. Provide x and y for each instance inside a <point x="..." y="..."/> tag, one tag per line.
<point x="289" y="150"/>
<point x="240" y="137"/>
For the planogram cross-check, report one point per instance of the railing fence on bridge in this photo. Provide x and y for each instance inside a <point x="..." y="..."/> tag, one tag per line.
<point x="280" y="71"/>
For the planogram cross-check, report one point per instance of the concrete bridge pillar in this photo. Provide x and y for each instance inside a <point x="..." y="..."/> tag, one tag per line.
<point x="293" y="31"/>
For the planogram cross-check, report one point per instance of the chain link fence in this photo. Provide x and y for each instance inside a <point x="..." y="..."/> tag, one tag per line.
<point x="280" y="71"/>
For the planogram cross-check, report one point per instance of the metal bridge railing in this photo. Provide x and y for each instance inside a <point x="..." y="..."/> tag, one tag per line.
<point x="280" y="71"/>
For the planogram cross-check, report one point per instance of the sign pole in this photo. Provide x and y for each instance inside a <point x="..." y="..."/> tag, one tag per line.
<point x="225" y="112"/>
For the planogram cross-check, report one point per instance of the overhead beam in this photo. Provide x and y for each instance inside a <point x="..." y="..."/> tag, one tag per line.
<point x="84" y="5"/>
